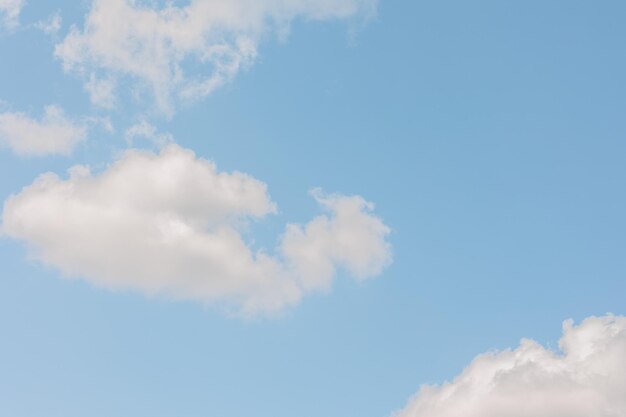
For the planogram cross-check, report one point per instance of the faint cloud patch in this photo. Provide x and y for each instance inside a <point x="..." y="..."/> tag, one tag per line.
<point x="51" y="26"/>
<point x="145" y="130"/>
<point x="10" y="12"/>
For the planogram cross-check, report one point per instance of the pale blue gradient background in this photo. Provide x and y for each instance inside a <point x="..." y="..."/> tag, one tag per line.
<point x="491" y="136"/>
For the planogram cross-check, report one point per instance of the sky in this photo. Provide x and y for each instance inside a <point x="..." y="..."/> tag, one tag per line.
<point x="312" y="208"/>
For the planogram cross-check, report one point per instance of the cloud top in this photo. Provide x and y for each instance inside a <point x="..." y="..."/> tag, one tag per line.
<point x="587" y="378"/>
<point x="172" y="225"/>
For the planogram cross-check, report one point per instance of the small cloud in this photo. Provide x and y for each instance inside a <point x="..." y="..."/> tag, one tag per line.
<point x="147" y="131"/>
<point x="53" y="134"/>
<point x="51" y="26"/>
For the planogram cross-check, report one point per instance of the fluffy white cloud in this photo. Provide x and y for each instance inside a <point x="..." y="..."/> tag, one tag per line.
<point x="170" y="224"/>
<point x="151" y="43"/>
<point x="352" y="238"/>
<point x="53" y="134"/>
<point x="586" y="379"/>
<point x="10" y="12"/>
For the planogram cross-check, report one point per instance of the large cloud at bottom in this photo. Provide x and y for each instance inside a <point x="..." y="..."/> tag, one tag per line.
<point x="586" y="379"/>
<point x="170" y="224"/>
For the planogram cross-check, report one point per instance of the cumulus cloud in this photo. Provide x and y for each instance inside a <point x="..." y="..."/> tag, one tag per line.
<point x="54" y="133"/>
<point x="587" y="378"/>
<point x="10" y="12"/>
<point x="352" y="238"/>
<point x="151" y="43"/>
<point x="172" y="225"/>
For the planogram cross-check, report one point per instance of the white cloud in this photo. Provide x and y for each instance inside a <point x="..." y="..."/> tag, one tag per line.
<point x="172" y="225"/>
<point x="352" y="238"/>
<point x="53" y="134"/>
<point x="10" y="12"/>
<point x="586" y="379"/>
<point x="151" y="44"/>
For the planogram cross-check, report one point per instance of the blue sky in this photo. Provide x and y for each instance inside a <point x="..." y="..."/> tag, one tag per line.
<point x="488" y="135"/>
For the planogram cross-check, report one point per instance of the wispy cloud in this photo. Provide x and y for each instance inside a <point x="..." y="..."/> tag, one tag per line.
<point x="145" y="130"/>
<point x="10" y="12"/>
<point x="150" y="45"/>
<point x="51" y="26"/>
